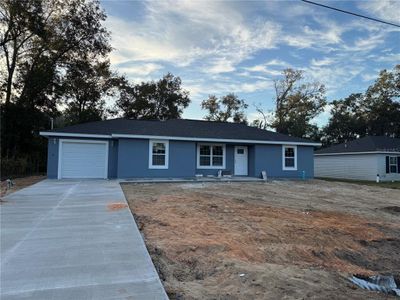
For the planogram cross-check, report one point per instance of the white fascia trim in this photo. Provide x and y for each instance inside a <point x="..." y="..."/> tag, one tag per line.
<point x="352" y="153"/>
<point x="62" y="141"/>
<point x="211" y="166"/>
<point x="194" y="139"/>
<point x="78" y="135"/>
<point x="151" y="166"/>
<point x="284" y="168"/>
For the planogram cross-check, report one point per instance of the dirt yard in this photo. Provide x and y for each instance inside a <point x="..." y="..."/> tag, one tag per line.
<point x="278" y="240"/>
<point x="19" y="183"/>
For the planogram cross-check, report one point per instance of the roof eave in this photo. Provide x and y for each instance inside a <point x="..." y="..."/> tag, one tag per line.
<point x="177" y="138"/>
<point x="197" y="139"/>
<point x="353" y="153"/>
<point x="81" y="135"/>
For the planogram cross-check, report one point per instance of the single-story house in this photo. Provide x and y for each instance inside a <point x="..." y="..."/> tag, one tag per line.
<point x="360" y="159"/>
<point x="125" y="148"/>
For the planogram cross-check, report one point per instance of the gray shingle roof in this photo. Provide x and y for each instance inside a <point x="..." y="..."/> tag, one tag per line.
<point x="365" y="144"/>
<point x="179" y="128"/>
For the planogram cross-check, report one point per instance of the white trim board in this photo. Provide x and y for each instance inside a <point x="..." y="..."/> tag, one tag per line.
<point x="61" y="141"/>
<point x="354" y="153"/>
<point x="151" y="166"/>
<point x="176" y="138"/>
<point x="198" y="166"/>
<point x="284" y="168"/>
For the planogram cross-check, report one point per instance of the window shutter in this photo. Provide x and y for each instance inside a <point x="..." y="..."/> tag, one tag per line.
<point x="398" y="164"/>
<point x="387" y="165"/>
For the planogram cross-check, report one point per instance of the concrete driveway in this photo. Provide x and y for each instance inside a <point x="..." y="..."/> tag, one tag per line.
<point x="63" y="240"/>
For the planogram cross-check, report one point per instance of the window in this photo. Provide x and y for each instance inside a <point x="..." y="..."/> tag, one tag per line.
<point x="393" y="164"/>
<point x="289" y="158"/>
<point x="240" y="151"/>
<point x="210" y="156"/>
<point x="158" y="154"/>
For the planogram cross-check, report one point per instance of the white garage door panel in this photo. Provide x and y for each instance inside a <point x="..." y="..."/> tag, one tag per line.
<point x="83" y="160"/>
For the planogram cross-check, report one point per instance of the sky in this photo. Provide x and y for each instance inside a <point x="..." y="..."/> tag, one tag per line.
<point x="218" y="47"/>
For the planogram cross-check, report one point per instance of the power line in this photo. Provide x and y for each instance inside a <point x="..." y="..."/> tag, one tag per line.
<point x="350" y="13"/>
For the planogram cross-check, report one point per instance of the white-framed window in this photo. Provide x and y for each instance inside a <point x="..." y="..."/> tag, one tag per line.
<point x="393" y="164"/>
<point x="211" y="156"/>
<point x="289" y="157"/>
<point x="158" y="154"/>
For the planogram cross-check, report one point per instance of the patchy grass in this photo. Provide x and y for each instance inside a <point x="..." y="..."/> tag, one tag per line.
<point x="284" y="239"/>
<point x="388" y="185"/>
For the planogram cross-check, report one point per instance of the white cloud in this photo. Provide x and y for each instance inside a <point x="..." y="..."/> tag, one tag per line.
<point x="369" y="43"/>
<point x="277" y="62"/>
<point x="334" y="78"/>
<point x="223" y="46"/>
<point x="369" y="76"/>
<point x="390" y="58"/>
<point x="185" y="32"/>
<point x="140" y="69"/>
<point x="264" y="70"/>
<point x="254" y="86"/>
<point x="220" y="66"/>
<point x="387" y="10"/>
<point x="272" y="67"/>
<point x="324" y="38"/>
<point x="322" y="62"/>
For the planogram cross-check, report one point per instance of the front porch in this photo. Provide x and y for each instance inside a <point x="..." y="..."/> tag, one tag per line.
<point x="193" y="179"/>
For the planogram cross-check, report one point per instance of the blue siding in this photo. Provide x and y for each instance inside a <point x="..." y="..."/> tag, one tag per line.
<point x="52" y="156"/>
<point x="251" y="161"/>
<point x="112" y="158"/>
<point x="133" y="159"/>
<point x="269" y="158"/>
<point x="129" y="158"/>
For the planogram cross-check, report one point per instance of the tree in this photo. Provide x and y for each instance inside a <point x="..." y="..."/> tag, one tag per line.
<point x="40" y="42"/>
<point x="382" y="104"/>
<point x="40" y="38"/>
<point x="347" y="120"/>
<point x="265" y="118"/>
<point x="84" y="90"/>
<point x="376" y="112"/>
<point x="160" y="100"/>
<point x="224" y="109"/>
<point x="297" y="103"/>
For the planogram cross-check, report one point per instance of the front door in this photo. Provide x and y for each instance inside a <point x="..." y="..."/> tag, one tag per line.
<point x="241" y="160"/>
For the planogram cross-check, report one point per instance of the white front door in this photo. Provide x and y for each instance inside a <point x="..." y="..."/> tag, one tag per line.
<point x="241" y="160"/>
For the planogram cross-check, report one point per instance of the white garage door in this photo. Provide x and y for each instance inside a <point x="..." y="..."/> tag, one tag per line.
<point x="83" y="159"/>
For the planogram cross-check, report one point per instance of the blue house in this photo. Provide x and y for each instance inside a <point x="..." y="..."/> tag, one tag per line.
<point x="123" y="148"/>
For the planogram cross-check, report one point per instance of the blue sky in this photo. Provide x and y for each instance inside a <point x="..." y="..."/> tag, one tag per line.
<point x="217" y="47"/>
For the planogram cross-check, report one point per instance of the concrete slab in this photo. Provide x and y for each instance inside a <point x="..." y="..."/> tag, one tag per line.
<point x="59" y="240"/>
<point x="193" y="180"/>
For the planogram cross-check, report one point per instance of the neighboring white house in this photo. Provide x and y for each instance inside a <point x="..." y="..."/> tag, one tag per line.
<point x="360" y="159"/>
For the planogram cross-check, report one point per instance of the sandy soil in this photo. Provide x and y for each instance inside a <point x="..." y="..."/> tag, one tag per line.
<point x="278" y="240"/>
<point x="19" y="183"/>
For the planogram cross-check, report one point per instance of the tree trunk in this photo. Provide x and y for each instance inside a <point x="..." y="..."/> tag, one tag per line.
<point x="10" y="69"/>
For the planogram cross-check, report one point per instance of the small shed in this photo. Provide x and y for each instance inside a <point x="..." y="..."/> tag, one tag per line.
<point x="360" y="159"/>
